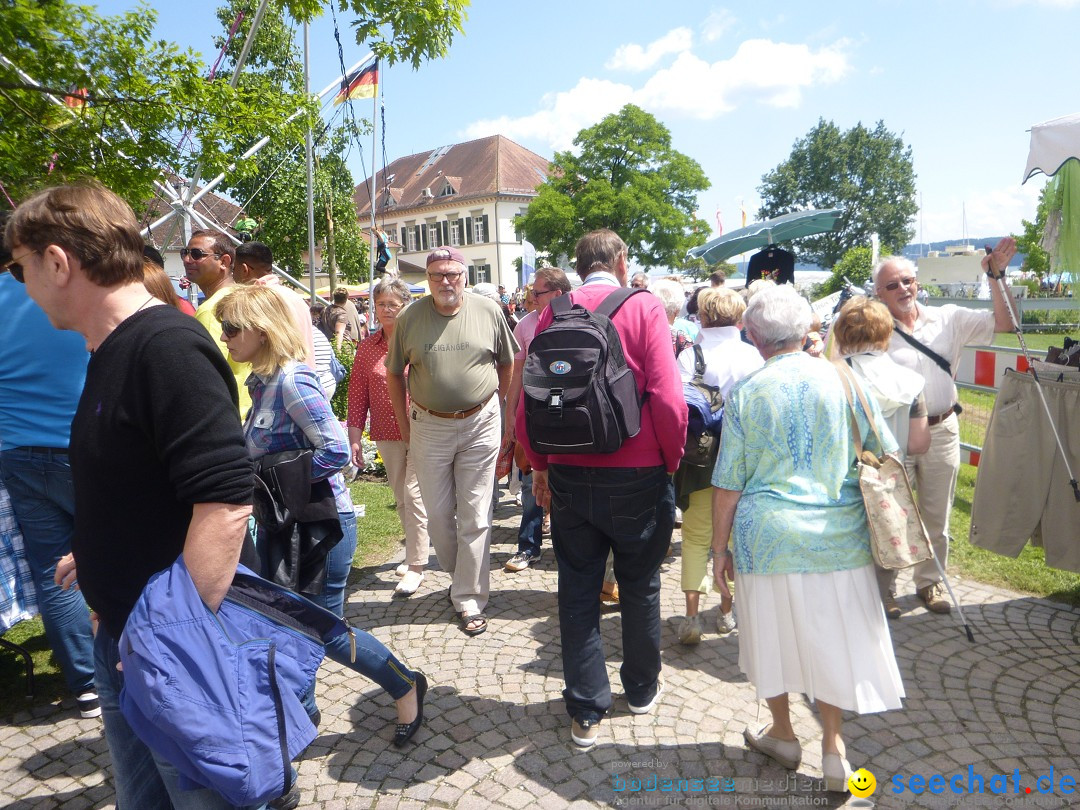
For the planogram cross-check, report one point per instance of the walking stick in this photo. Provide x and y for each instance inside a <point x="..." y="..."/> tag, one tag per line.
<point x="999" y="277"/>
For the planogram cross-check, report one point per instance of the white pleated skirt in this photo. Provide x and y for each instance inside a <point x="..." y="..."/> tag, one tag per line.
<point x="824" y="635"/>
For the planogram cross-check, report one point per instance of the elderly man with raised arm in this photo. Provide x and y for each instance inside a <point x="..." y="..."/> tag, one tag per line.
<point x="929" y="340"/>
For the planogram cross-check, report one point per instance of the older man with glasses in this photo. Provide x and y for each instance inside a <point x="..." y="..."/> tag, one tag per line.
<point x="929" y="340"/>
<point x="459" y="352"/>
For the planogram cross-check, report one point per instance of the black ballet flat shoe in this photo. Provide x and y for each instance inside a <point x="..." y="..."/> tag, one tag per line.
<point x="405" y="731"/>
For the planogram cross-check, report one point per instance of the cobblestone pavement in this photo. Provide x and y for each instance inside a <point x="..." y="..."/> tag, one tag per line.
<point x="497" y="734"/>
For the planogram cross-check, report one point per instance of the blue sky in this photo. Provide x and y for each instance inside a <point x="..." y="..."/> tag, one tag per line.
<point x="737" y="84"/>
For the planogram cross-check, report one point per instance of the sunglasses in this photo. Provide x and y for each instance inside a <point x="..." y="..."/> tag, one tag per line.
<point x="230" y="330"/>
<point x="197" y="254"/>
<point x="15" y="268"/>
<point x="895" y="285"/>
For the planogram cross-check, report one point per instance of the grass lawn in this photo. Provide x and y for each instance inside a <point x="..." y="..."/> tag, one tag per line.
<point x="379" y="535"/>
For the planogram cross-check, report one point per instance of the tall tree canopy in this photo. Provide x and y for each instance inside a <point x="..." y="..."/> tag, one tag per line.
<point x="627" y="177"/>
<point x="83" y="95"/>
<point x="866" y="172"/>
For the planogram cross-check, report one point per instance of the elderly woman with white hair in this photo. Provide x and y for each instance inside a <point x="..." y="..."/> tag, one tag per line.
<point x="673" y="297"/>
<point x="810" y="618"/>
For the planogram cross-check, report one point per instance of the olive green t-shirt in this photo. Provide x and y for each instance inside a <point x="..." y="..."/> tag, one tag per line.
<point x="451" y="358"/>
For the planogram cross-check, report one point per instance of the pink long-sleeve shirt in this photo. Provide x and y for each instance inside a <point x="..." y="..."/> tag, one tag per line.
<point x="643" y="328"/>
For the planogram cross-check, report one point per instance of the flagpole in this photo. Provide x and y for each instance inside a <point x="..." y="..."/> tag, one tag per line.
<point x="309" y="166"/>
<point x="371" y="193"/>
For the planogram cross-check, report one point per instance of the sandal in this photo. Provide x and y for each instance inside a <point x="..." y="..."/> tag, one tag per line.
<point x="472" y="618"/>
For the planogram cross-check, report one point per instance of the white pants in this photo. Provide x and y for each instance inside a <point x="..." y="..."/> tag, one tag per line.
<point x="410" y="504"/>
<point x="455" y="466"/>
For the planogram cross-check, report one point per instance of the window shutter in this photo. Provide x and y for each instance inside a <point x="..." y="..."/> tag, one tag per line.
<point x="404" y="244"/>
<point x="472" y="276"/>
<point x="468" y="231"/>
<point x="445" y="232"/>
<point x="487" y="233"/>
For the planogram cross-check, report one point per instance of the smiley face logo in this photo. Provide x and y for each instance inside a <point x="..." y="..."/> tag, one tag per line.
<point x="862" y="783"/>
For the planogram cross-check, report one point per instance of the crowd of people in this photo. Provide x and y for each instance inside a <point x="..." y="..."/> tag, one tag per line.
<point x="134" y="434"/>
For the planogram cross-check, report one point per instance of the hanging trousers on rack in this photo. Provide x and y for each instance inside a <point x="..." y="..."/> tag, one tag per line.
<point x="1022" y="490"/>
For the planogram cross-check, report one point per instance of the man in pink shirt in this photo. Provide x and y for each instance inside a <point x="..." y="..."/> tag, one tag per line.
<point x="622" y="502"/>
<point x="254" y="265"/>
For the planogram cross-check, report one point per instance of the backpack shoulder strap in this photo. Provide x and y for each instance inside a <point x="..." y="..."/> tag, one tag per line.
<point x="610" y="305"/>
<point x="560" y="305"/>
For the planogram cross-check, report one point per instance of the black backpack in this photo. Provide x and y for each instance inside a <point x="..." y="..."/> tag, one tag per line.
<point x="705" y="414"/>
<point x="580" y="396"/>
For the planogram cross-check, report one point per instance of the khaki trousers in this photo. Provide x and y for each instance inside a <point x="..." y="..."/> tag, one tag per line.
<point x="455" y="466"/>
<point x="410" y="504"/>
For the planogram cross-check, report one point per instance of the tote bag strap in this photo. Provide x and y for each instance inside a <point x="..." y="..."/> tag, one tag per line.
<point x="847" y="379"/>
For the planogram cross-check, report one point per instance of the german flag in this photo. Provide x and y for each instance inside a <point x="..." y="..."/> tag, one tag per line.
<point x="361" y="84"/>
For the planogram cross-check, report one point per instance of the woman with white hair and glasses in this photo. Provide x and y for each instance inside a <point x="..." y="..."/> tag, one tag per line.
<point x="810" y="618"/>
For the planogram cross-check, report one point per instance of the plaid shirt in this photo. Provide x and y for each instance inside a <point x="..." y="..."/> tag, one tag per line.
<point x="17" y="599"/>
<point x="289" y="411"/>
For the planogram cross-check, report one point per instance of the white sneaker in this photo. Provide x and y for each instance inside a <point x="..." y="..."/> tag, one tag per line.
<point x="725" y="622"/>
<point x="690" y="630"/>
<point x="409" y="584"/>
<point x="401" y="570"/>
<point x="89" y="705"/>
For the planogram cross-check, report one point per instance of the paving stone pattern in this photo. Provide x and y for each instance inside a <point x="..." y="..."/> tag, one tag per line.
<point x="497" y="734"/>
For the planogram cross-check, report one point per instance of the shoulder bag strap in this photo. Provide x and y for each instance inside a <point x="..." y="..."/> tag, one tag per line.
<point x="919" y="346"/>
<point x="846" y="382"/>
<point x="699" y="364"/>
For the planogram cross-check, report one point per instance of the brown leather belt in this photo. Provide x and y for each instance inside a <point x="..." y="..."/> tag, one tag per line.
<point x="937" y="420"/>
<point x="465" y="414"/>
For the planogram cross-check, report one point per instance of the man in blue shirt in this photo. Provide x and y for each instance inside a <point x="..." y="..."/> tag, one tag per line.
<point x="41" y="377"/>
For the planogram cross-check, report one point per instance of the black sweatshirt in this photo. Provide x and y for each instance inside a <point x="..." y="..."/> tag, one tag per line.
<point x="156" y="431"/>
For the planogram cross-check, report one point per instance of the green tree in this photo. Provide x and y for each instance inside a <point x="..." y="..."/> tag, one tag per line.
<point x="854" y="265"/>
<point x="627" y="177"/>
<point x="125" y="98"/>
<point x="866" y="172"/>
<point x="1036" y="259"/>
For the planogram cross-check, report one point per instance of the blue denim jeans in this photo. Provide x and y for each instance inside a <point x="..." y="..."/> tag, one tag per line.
<point x="629" y="512"/>
<point x="531" y="530"/>
<point x="373" y="660"/>
<point x="143" y="780"/>
<point x="43" y="499"/>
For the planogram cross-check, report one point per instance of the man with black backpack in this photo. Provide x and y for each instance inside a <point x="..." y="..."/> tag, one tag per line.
<point x="602" y="454"/>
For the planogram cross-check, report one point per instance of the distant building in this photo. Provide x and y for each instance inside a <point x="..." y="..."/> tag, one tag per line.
<point x="466" y="195"/>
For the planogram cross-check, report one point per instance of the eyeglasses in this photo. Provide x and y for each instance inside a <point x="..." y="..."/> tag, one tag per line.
<point x="15" y="268"/>
<point x="907" y="282"/>
<point x="451" y="276"/>
<point x="196" y="254"/>
<point x="230" y="330"/>
<point x="537" y="293"/>
<point x="388" y="306"/>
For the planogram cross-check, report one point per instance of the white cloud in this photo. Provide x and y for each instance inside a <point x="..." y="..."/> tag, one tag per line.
<point x="993" y="212"/>
<point x="717" y="24"/>
<point x="772" y="73"/>
<point x="561" y="115"/>
<point x="633" y="57"/>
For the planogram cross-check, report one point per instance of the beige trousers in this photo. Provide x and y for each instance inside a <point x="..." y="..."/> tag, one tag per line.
<point x="455" y="466"/>
<point x="410" y="504"/>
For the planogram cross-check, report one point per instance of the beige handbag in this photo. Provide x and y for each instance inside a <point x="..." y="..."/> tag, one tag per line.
<point x="898" y="538"/>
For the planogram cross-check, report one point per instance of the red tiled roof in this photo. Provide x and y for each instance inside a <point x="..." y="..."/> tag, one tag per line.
<point x="480" y="168"/>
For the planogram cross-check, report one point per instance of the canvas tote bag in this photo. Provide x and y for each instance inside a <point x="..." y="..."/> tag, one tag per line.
<point x="898" y="538"/>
